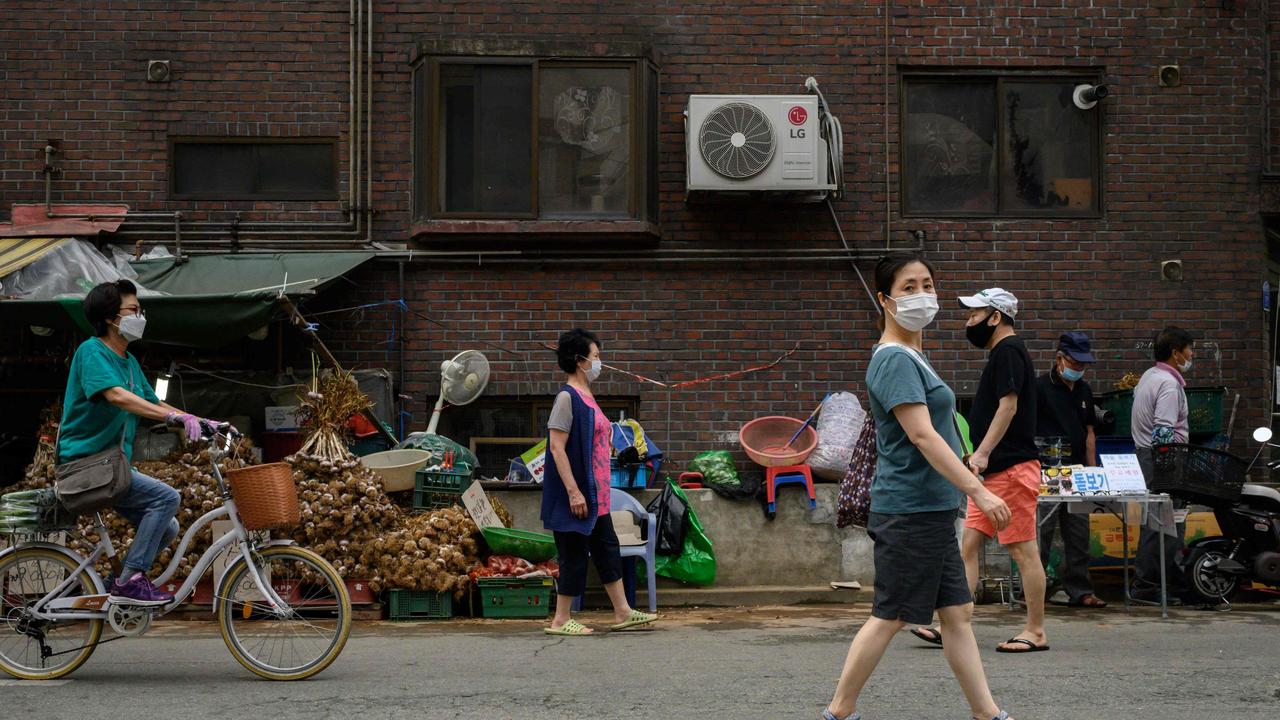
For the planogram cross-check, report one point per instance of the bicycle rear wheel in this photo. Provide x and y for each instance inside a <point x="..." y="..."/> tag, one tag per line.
<point x="285" y="645"/>
<point x="34" y="649"/>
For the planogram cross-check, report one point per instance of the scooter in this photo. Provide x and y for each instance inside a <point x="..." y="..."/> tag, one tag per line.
<point x="1248" y="549"/>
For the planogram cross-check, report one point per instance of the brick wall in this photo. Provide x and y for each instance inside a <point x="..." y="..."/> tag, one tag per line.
<point x="1181" y="180"/>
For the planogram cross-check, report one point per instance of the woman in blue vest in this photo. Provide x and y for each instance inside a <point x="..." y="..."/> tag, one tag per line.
<point x="575" y="489"/>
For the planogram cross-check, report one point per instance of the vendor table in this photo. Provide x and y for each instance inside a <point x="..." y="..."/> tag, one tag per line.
<point x="1118" y="505"/>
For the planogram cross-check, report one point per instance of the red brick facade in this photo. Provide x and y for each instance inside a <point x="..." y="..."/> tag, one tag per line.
<point x="1182" y="169"/>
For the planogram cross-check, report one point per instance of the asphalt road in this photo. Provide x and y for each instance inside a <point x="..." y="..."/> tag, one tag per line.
<point x="709" y="663"/>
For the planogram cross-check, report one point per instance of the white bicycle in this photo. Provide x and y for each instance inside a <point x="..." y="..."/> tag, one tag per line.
<point x="283" y="610"/>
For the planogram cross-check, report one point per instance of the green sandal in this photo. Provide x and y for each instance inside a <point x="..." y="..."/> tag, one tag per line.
<point x="572" y="628"/>
<point x="637" y="618"/>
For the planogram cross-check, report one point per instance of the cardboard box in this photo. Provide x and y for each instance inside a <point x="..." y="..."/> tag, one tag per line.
<point x="280" y="418"/>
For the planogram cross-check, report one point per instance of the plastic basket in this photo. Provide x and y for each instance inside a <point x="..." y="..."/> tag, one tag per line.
<point x="419" y="605"/>
<point x="628" y="476"/>
<point x="266" y="496"/>
<point x="1204" y="409"/>
<point x="1198" y="474"/>
<point x="1120" y="404"/>
<point x="515" y="598"/>
<point x="433" y="490"/>
<point x="532" y="546"/>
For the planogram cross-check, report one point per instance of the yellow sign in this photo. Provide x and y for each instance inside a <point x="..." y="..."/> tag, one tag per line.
<point x="1106" y="537"/>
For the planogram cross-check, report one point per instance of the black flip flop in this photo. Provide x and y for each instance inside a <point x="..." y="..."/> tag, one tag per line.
<point x="1030" y="644"/>
<point x="929" y="635"/>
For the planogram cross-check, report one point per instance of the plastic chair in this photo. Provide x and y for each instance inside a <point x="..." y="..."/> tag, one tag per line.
<point x="623" y="502"/>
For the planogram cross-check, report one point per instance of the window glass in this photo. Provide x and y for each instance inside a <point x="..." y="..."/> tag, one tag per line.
<point x="1046" y="157"/>
<point x="584" y="141"/>
<point x="486" y="131"/>
<point x="950" y="147"/>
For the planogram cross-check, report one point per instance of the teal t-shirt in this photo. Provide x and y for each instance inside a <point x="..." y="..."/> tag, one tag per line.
<point x="905" y="482"/>
<point x="90" y="424"/>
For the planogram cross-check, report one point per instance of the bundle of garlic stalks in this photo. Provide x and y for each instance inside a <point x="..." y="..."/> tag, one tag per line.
<point x="324" y="412"/>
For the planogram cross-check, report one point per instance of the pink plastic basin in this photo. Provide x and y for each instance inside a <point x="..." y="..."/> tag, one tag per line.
<point x="765" y="439"/>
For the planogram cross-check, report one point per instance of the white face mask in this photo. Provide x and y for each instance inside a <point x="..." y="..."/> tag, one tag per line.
<point x="132" y="327"/>
<point x="915" y="312"/>
<point x="593" y="372"/>
<point x="1185" y="367"/>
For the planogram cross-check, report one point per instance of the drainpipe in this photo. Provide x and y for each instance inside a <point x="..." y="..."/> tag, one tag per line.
<point x="368" y="132"/>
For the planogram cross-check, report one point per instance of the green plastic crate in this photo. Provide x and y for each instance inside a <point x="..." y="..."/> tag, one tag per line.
<point x="515" y="597"/>
<point x="1204" y="409"/>
<point x="433" y="490"/>
<point x="419" y="605"/>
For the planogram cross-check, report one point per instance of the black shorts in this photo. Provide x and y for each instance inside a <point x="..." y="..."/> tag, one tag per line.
<point x="918" y="565"/>
<point x="573" y="548"/>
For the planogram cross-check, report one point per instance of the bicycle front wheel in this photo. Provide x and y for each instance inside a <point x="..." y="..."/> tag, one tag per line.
<point x="284" y="644"/>
<point x="34" y="649"/>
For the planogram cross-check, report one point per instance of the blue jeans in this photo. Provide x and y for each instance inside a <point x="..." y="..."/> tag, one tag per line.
<point x="150" y="507"/>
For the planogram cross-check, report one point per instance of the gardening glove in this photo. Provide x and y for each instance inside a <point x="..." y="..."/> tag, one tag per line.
<point x="189" y="423"/>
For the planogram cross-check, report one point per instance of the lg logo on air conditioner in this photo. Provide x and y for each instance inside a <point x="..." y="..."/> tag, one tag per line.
<point x="797" y="115"/>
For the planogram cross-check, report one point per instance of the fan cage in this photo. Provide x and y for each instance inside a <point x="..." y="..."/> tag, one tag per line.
<point x="715" y="140"/>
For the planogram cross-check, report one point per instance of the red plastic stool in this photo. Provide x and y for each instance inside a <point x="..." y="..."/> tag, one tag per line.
<point x="787" y="475"/>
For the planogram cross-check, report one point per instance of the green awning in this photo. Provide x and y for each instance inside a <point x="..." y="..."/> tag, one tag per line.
<point x="213" y="300"/>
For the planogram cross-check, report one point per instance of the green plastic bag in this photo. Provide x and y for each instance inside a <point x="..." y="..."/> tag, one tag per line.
<point x="697" y="563"/>
<point x="717" y="468"/>
<point x="464" y="461"/>
<point x="966" y="443"/>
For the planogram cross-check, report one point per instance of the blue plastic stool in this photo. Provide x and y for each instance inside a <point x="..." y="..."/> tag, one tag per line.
<point x="776" y="477"/>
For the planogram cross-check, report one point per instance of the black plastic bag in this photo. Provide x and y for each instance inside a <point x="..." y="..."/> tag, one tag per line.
<point x="673" y="515"/>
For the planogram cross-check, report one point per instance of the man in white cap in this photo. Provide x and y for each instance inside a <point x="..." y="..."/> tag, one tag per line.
<point x="1002" y="426"/>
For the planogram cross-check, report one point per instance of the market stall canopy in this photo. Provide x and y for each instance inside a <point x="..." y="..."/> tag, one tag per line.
<point x="208" y="300"/>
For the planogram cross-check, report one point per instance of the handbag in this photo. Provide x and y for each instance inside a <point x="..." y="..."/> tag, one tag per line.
<point x="92" y="483"/>
<point x="853" y="504"/>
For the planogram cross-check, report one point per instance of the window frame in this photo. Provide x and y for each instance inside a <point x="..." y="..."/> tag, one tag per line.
<point x="999" y="76"/>
<point x="303" y="196"/>
<point x="429" y="129"/>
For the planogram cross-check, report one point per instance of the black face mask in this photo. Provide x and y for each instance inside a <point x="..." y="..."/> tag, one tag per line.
<point x="981" y="333"/>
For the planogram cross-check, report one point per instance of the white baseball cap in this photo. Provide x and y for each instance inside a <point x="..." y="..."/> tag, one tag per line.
<point x="996" y="298"/>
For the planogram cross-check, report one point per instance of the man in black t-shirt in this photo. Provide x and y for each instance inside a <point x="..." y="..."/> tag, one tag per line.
<point x="1066" y="411"/>
<point x="1002" y="426"/>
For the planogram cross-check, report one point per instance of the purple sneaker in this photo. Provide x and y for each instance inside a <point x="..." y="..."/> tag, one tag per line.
<point x="138" y="591"/>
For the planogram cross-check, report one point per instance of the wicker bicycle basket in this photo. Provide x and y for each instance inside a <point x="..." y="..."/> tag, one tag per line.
<point x="1199" y="474"/>
<point x="266" y="496"/>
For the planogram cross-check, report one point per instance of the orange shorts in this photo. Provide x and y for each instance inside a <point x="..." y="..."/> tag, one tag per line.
<point x="1019" y="487"/>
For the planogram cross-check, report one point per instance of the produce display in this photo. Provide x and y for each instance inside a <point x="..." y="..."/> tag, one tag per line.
<point x="347" y="517"/>
<point x="511" y="566"/>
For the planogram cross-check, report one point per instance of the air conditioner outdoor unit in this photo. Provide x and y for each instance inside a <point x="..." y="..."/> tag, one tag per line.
<point x="755" y="144"/>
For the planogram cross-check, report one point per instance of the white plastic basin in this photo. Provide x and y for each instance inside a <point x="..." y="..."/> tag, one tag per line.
<point x="396" y="467"/>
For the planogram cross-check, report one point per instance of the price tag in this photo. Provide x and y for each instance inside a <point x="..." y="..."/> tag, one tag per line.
<point x="479" y="507"/>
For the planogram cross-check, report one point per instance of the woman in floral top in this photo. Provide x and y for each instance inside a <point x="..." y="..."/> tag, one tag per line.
<point x="576" y="492"/>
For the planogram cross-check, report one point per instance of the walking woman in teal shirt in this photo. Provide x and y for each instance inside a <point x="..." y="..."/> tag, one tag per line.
<point x="919" y="483"/>
<point x="106" y="394"/>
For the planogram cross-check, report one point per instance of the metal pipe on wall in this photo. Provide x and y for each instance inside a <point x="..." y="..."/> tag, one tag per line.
<point x="368" y="132"/>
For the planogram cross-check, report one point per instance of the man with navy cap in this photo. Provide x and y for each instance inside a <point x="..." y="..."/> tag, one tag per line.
<point x="1065" y="410"/>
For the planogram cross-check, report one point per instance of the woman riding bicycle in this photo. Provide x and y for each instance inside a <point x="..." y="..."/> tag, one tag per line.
<point x="106" y="394"/>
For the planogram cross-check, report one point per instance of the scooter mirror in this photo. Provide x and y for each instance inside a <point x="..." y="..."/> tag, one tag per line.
<point x="1262" y="435"/>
